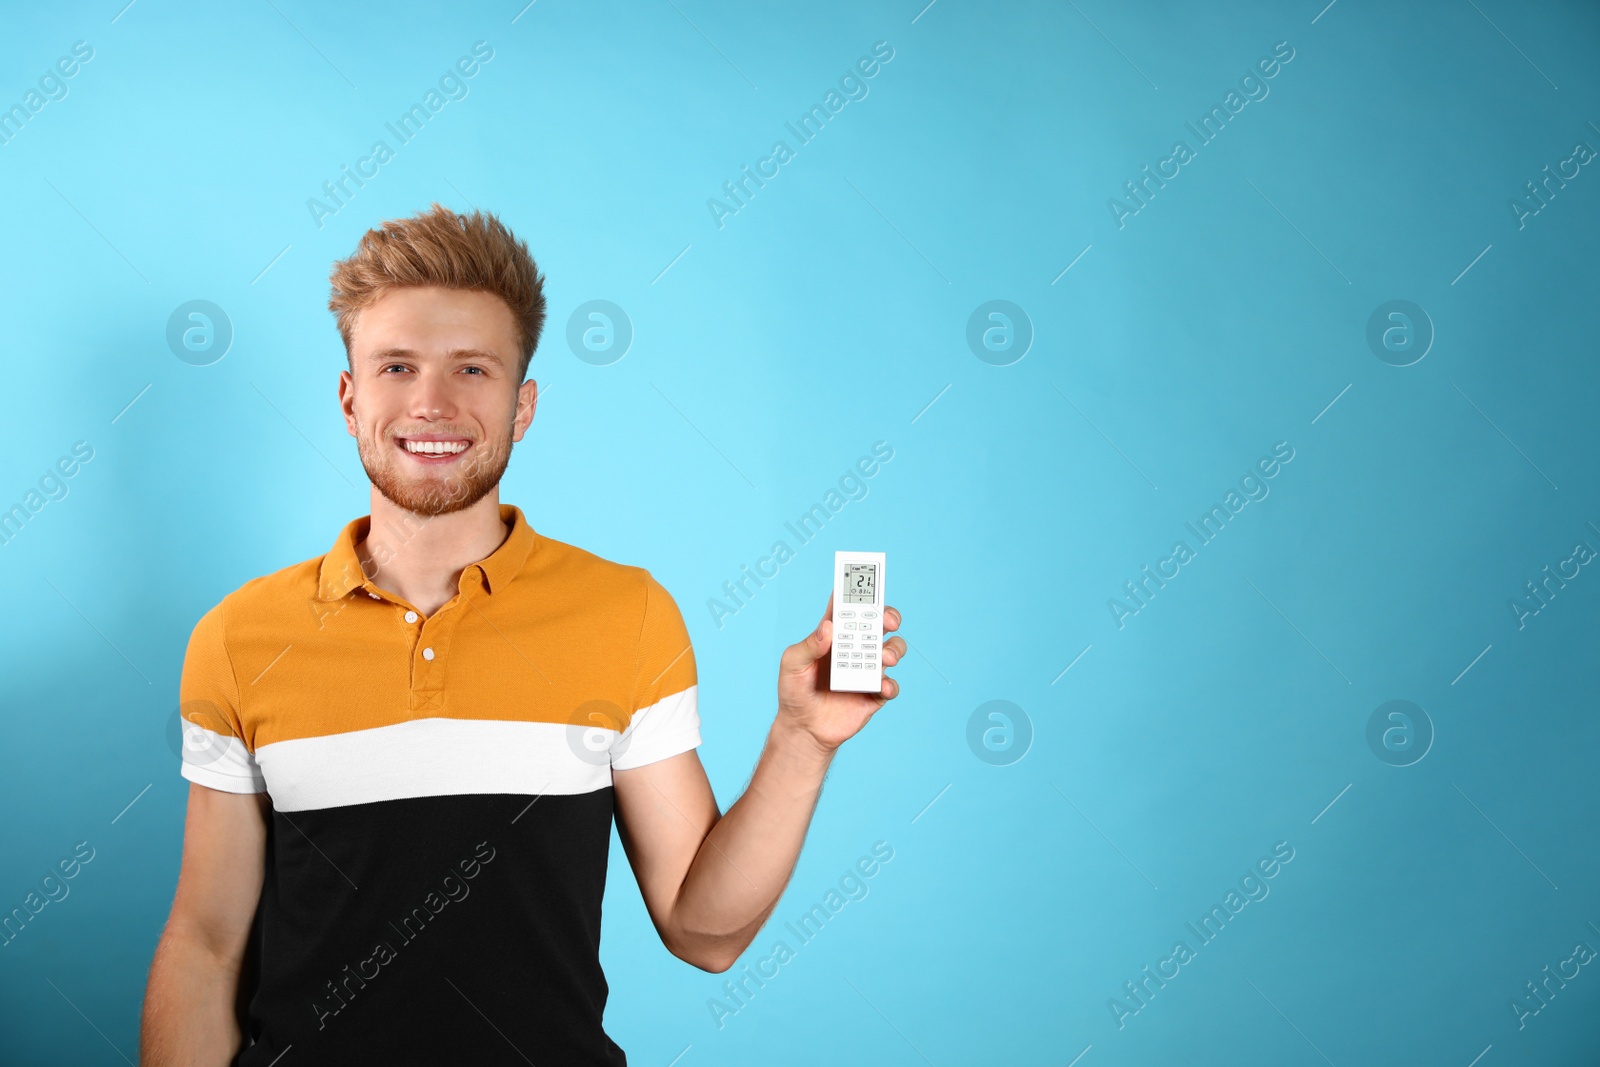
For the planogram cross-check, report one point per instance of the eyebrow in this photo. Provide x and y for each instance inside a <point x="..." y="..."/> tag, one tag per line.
<point x="391" y="354"/>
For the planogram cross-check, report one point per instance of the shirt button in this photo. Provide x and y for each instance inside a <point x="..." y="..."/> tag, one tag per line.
<point x="411" y="616"/>
<point x="374" y="596"/>
<point x="427" y="653"/>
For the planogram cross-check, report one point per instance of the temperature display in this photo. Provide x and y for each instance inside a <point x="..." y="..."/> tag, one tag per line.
<point x="860" y="583"/>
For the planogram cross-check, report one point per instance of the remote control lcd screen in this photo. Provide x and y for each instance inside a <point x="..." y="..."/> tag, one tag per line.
<point x="860" y="583"/>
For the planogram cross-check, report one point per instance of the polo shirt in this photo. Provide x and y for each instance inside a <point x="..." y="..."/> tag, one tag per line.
<point x="441" y="794"/>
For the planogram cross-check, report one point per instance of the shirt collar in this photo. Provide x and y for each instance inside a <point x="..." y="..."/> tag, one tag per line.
<point x="341" y="569"/>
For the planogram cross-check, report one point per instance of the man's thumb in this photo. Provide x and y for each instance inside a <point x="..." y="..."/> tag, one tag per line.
<point x="814" y="647"/>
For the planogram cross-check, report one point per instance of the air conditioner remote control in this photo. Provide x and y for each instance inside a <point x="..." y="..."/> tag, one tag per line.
<point x="857" y="654"/>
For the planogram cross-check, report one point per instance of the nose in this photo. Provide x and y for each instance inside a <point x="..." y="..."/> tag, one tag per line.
<point x="431" y="398"/>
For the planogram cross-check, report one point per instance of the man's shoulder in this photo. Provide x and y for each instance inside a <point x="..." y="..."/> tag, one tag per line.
<point x="567" y="563"/>
<point x="292" y="585"/>
<point x="592" y="578"/>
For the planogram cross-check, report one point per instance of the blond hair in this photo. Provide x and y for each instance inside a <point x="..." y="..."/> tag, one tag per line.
<point x="440" y="247"/>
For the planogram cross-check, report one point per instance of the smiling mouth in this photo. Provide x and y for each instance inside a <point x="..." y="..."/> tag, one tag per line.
<point x="433" y="452"/>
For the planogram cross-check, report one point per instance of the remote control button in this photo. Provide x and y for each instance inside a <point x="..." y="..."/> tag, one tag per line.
<point x="869" y="614"/>
<point x="847" y="614"/>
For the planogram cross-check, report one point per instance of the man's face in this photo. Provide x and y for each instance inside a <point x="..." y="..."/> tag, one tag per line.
<point x="433" y="402"/>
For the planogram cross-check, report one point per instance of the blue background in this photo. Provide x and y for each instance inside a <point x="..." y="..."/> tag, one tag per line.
<point x="829" y="313"/>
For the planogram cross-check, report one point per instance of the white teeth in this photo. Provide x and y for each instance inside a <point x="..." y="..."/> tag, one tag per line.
<point x="436" y="448"/>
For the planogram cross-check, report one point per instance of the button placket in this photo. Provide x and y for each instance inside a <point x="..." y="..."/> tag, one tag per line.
<point x="430" y="648"/>
<point x="430" y="644"/>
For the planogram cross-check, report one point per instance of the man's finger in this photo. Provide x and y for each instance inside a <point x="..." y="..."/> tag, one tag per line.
<point x="803" y="653"/>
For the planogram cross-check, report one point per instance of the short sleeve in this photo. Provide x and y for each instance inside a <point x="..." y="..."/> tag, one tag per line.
<point x="665" y="716"/>
<point x="214" y="752"/>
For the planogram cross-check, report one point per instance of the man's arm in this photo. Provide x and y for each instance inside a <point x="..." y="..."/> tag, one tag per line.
<point x="711" y="880"/>
<point x="190" y="999"/>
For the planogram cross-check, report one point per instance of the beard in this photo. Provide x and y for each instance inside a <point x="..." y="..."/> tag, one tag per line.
<point x="427" y="492"/>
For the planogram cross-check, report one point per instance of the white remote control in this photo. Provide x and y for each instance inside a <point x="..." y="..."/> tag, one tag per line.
<point x="857" y="654"/>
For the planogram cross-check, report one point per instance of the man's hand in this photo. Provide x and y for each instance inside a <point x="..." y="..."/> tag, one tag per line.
<point x="807" y="705"/>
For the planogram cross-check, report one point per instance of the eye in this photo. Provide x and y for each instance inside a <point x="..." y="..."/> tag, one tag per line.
<point x="390" y="366"/>
<point x="480" y="370"/>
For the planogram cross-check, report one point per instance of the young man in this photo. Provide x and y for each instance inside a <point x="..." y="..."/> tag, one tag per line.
<point x="408" y="751"/>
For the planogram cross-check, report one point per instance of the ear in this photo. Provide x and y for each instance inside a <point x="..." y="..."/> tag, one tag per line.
<point x="347" y="401"/>
<point x="527" y="401"/>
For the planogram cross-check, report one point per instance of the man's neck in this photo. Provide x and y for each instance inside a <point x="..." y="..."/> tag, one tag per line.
<point x="420" y="557"/>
